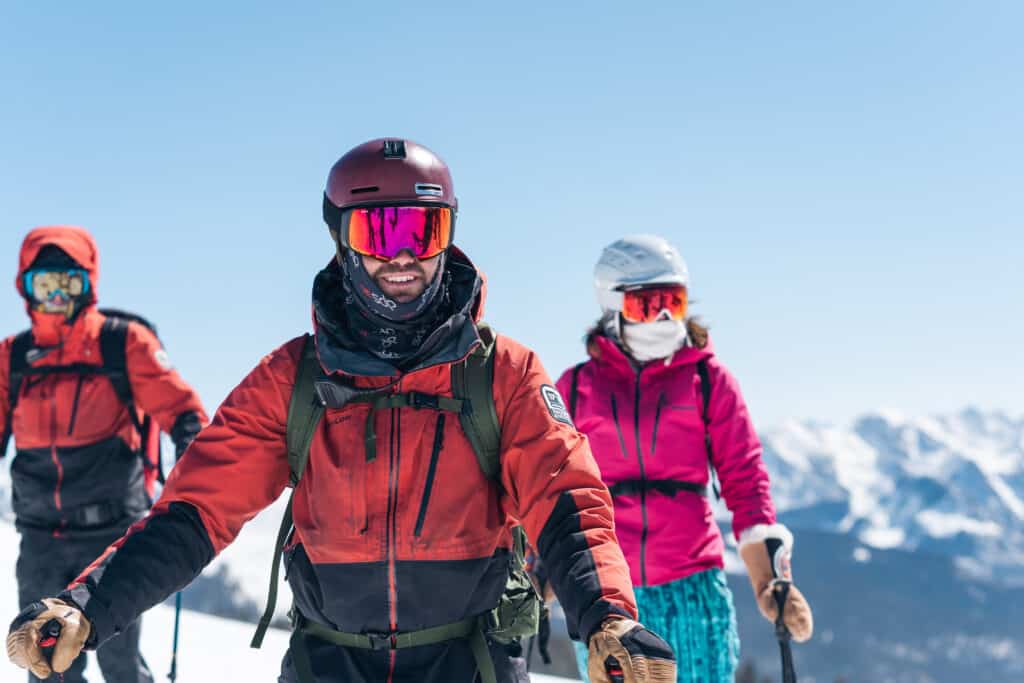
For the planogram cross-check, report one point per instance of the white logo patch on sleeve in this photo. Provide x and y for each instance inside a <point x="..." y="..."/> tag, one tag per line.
<point x="163" y="360"/>
<point x="556" y="406"/>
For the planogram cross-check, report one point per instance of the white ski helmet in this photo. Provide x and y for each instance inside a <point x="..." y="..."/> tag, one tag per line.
<point x="634" y="261"/>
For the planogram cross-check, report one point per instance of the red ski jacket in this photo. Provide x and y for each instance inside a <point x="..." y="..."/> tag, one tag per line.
<point x="415" y="538"/>
<point x="75" y="467"/>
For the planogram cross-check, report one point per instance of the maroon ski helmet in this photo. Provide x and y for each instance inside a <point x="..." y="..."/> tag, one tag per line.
<point x="386" y="171"/>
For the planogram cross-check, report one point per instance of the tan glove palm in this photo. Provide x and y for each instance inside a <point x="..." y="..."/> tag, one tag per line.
<point x="23" y="640"/>
<point x="642" y="656"/>
<point x="766" y="564"/>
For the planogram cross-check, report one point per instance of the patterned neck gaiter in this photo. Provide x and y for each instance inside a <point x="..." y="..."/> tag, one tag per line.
<point x="388" y="329"/>
<point x="372" y="301"/>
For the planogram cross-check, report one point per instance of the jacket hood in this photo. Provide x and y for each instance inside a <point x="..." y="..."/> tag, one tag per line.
<point x="74" y="241"/>
<point x="49" y="330"/>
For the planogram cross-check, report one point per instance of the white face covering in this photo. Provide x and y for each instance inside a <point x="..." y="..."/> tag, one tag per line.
<point x="650" y="341"/>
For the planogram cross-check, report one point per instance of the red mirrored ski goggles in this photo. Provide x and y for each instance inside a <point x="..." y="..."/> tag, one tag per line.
<point x="383" y="232"/>
<point x="649" y="303"/>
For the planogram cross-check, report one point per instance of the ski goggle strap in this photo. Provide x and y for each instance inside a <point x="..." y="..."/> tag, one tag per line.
<point x="385" y="231"/>
<point x="30" y="275"/>
<point x="650" y="303"/>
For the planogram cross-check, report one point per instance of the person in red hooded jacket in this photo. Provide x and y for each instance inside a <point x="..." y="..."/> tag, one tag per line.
<point x="401" y="546"/>
<point x="79" y="476"/>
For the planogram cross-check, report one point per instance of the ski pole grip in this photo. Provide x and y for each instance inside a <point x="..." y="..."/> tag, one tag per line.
<point x="49" y="635"/>
<point x="614" y="669"/>
<point x="780" y="591"/>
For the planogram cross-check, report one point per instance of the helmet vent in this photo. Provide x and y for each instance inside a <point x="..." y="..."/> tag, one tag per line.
<point x="429" y="189"/>
<point x="364" y="190"/>
<point x="394" y="149"/>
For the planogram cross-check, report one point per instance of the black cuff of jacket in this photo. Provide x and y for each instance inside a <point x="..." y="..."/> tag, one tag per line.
<point x="186" y="427"/>
<point x="592" y="619"/>
<point x="97" y="615"/>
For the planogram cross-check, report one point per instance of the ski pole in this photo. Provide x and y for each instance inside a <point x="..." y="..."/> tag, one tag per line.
<point x="173" y="674"/>
<point x="780" y="590"/>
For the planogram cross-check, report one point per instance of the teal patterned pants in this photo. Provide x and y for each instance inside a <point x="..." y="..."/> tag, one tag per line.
<point x="696" y="616"/>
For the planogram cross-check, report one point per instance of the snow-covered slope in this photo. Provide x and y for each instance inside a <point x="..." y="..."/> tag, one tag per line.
<point x="210" y="648"/>
<point x="951" y="484"/>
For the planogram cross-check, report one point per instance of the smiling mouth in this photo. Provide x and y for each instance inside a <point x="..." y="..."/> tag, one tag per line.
<point x="399" y="279"/>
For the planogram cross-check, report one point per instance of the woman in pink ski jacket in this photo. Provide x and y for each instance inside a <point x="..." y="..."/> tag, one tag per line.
<point x="658" y="406"/>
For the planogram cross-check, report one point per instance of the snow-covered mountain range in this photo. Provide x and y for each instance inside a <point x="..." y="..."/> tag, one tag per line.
<point x="950" y="484"/>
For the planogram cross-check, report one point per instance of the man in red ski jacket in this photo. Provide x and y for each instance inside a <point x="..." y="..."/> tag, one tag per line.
<point x="83" y="470"/>
<point x="397" y="531"/>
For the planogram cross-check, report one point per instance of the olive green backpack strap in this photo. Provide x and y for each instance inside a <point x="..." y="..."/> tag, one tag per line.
<point x="473" y="381"/>
<point x="519" y="543"/>
<point x="305" y="411"/>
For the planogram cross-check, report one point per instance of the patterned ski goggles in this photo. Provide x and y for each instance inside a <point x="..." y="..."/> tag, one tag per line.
<point x="648" y="304"/>
<point x="46" y="283"/>
<point x="383" y="232"/>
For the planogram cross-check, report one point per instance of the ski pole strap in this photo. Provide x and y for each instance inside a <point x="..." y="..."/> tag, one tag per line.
<point x="268" y="613"/>
<point x="780" y="591"/>
<point x="471" y="629"/>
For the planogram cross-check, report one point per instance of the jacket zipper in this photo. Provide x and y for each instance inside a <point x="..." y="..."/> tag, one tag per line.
<point x="74" y="405"/>
<point x="643" y="482"/>
<point x="53" y="440"/>
<point x="392" y="531"/>
<point x="657" y="418"/>
<point x="431" y="472"/>
<point x="618" y="427"/>
<point x="54" y="457"/>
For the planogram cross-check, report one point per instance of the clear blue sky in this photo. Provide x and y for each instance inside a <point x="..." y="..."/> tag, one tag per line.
<point x="844" y="179"/>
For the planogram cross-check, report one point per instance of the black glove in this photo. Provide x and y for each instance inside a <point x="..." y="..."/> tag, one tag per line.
<point x="185" y="429"/>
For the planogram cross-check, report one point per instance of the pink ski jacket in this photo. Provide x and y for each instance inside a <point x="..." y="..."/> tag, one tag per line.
<point x="647" y="432"/>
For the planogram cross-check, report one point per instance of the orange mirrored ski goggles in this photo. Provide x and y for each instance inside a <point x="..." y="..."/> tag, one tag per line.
<point x="649" y="303"/>
<point x="385" y="231"/>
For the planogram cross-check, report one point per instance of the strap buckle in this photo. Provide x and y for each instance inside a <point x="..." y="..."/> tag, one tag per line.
<point x="489" y="620"/>
<point x="382" y="641"/>
<point x="419" y="400"/>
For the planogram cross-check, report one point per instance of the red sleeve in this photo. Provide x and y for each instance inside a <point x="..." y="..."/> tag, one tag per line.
<point x="157" y="387"/>
<point x="556" y="488"/>
<point x="235" y="467"/>
<point x="238" y="465"/>
<point x="736" y="452"/>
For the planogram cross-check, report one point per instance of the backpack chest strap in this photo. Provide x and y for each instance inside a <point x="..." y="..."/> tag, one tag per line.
<point x="412" y="399"/>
